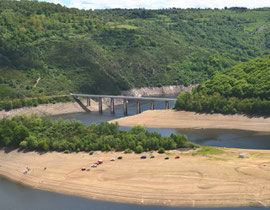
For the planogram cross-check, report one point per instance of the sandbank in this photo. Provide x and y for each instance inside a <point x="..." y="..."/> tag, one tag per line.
<point x="212" y="180"/>
<point x="184" y="119"/>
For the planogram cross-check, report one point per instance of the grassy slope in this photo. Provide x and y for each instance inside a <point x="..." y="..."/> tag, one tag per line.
<point x="244" y="88"/>
<point x="106" y="51"/>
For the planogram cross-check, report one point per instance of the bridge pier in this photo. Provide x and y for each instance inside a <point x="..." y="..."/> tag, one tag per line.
<point x="112" y="106"/>
<point x="152" y="105"/>
<point x="100" y="105"/>
<point x="138" y="107"/>
<point x="125" y="107"/>
<point x="88" y="101"/>
<point x="167" y="105"/>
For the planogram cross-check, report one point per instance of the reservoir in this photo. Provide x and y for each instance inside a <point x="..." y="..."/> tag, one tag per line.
<point x="17" y="197"/>
<point x="14" y="196"/>
<point x="211" y="137"/>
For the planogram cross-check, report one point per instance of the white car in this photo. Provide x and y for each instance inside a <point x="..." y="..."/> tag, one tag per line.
<point x="113" y="159"/>
<point x="94" y="165"/>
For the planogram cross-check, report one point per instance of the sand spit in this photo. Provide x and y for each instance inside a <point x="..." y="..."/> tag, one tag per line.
<point x="183" y="119"/>
<point x="213" y="180"/>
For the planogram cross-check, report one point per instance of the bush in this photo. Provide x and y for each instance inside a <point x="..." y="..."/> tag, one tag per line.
<point x="161" y="150"/>
<point x="139" y="149"/>
<point x="128" y="151"/>
<point x="91" y="152"/>
<point x="66" y="151"/>
<point x="23" y="145"/>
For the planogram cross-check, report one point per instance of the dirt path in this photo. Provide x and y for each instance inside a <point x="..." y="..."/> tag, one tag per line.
<point x="37" y="82"/>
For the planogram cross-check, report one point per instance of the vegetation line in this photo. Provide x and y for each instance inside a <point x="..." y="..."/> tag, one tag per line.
<point x="44" y="134"/>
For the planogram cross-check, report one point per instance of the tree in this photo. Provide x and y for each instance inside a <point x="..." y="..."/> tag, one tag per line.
<point x="139" y="149"/>
<point x="161" y="150"/>
<point x="32" y="143"/>
<point x="20" y="134"/>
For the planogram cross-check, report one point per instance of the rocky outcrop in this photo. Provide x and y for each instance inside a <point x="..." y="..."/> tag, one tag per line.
<point x="157" y="91"/>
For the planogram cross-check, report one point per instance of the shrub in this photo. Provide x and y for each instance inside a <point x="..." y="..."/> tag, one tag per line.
<point x="23" y="145"/>
<point x="161" y="150"/>
<point x="66" y="151"/>
<point x="139" y="149"/>
<point x="91" y="152"/>
<point x="128" y="151"/>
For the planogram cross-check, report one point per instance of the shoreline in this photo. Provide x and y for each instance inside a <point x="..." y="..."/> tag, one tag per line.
<point x="52" y="109"/>
<point x="175" y="182"/>
<point x="191" y="120"/>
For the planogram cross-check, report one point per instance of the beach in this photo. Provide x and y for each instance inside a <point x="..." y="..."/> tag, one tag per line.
<point x="193" y="120"/>
<point x="193" y="180"/>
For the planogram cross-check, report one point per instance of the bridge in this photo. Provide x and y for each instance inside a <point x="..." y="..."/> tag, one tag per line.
<point x="125" y="101"/>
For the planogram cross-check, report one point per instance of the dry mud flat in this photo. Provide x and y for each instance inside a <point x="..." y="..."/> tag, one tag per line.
<point x="212" y="180"/>
<point x="51" y="109"/>
<point x="183" y="119"/>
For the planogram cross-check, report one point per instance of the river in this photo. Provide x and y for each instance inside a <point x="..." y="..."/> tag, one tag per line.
<point x="14" y="196"/>
<point x="212" y="137"/>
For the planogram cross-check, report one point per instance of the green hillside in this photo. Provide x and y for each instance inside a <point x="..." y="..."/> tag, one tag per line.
<point x="244" y="88"/>
<point x="105" y="51"/>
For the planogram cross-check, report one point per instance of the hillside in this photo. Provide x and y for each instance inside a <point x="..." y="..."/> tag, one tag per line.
<point x="105" y="51"/>
<point x="244" y="88"/>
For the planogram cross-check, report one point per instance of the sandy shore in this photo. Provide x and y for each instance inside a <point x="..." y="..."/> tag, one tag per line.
<point x="213" y="180"/>
<point x="183" y="119"/>
<point x="51" y="109"/>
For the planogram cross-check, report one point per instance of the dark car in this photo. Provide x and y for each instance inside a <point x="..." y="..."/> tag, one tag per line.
<point x="143" y="157"/>
<point x="152" y="156"/>
<point x="120" y="157"/>
<point x="166" y="158"/>
<point x="177" y="157"/>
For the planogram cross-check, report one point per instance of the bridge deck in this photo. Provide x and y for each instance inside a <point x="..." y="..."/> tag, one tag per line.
<point x="124" y="97"/>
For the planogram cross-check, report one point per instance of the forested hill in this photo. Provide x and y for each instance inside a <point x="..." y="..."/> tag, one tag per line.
<point x="244" y="88"/>
<point x="105" y="51"/>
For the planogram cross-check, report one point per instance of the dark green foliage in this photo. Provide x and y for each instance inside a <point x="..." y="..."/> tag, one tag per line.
<point x="139" y="149"/>
<point x="44" y="134"/>
<point x="105" y="51"/>
<point x="161" y="150"/>
<point x="244" y="88"/>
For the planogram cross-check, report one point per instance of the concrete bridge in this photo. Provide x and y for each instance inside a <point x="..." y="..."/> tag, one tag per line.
<point x="125" y="101"/>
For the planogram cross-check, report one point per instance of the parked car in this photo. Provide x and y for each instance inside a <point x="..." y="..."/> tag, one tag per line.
<point x="177" y="157"/>
<point x="83" y="169"/>
<point x="88" y="169"/>
<point x="97" y="163"/>
<point x="143" y="157"/>
<point x="120" y="157"/>
<point x="152" y="156"/>
<point x="94" y="165"/>
<point x="166" y="158"/>
<point x="113" y="159"/>
<point x="100" y="161"/>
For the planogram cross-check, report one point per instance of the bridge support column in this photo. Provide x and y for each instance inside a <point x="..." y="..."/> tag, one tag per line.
<point x="152" y="105"/>
<point x="167" y="105"/>
<point x="100" y="105"/>
<point x="138" y="107"/>
<point x="125" y="107"/>
<point x="112" y="106"/>
<point x="88" y="102"/>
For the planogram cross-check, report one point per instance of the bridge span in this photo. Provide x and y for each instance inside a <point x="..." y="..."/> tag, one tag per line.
<point x="125" y="101"/>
